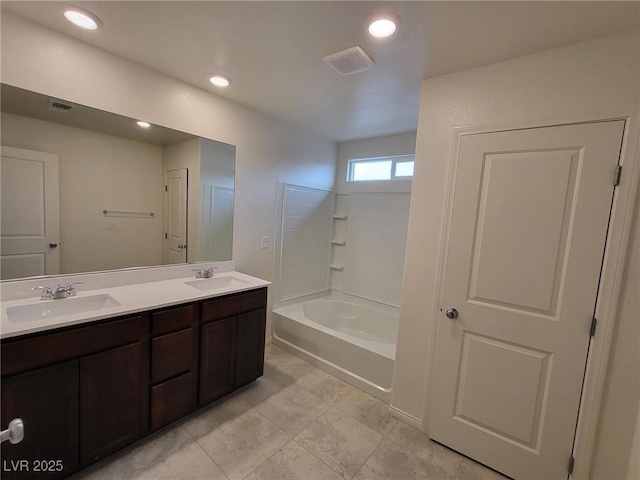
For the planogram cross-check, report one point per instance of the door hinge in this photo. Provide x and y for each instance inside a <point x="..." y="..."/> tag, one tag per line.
<point x="166" y="189"/>
<point x="616" y="179"/>
<point x="572" y="461"/>
<point x="592" y="331"/>
<point x="165" y="235"/>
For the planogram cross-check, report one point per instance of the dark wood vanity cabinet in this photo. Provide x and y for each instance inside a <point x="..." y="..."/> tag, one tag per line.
<point x="80" y="392"/>
<point x="231" y="343"/>
<point x="84" y="392"/>
<point x="174" y="364"/>
<point x="46" y="400"/>
<point x="113" y="401"/>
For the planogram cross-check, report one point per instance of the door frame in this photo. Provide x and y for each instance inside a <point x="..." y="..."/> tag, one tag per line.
<point x="615" y="254"/>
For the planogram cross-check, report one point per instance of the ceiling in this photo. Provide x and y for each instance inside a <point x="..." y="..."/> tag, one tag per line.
<point x="273" y="50"/>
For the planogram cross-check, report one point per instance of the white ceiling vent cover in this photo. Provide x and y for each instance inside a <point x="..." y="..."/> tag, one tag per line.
<point x="351" y="60"/>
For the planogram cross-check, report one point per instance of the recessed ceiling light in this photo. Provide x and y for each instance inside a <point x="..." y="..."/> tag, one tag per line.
<point x="383" y="25"/>
<point x="82" y="18"/>
<point x="220" y="80"/>
<point x="143" y="124"/>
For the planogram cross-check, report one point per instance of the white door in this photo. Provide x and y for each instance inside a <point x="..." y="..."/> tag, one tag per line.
<point x="528" y="228"/>
<point x="29" y="227"/>
<point x="176" y="215"/>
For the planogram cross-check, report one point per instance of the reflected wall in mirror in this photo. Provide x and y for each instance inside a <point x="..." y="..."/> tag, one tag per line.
<point x="84" y="190"/>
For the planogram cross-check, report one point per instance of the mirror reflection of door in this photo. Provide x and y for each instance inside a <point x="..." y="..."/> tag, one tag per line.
<point x="29" y="227"/>
<point x="176" y="215"/>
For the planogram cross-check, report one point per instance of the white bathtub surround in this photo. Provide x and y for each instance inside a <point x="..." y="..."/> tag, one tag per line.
<point x="349" y="337"/>
<point x="305" y="241"/>
<point x="375" y="247"/>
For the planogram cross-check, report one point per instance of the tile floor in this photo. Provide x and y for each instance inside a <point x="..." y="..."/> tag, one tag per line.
<point x="295" y="422"/>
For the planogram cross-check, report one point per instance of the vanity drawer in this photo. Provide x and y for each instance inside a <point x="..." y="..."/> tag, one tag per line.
<point x="174" y="319"/>
<point x="232" y="305"/>
<point x="172" y="354"/>
<point x="50" y="348"/>
<point x="172" y="400"/>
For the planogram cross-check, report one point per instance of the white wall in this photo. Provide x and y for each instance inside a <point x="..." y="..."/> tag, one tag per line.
<point x="579" y="81"/>
<point x="400" y="144"/>
<point x="268" y="150"/>
<point x="98" y="172"/>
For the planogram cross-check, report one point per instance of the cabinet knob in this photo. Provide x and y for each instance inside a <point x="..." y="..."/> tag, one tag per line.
<point x="15" y="432"/>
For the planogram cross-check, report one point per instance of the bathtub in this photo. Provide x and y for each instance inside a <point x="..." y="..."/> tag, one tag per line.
<point x="351" y="338"/>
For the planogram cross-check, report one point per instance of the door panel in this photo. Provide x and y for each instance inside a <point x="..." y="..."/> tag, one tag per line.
<point x="29" y="191"/>
<point x="113" y="405"/>
<point x="176" y="220"/>
<point x="217" y="359"/>
<point x="527" y="233"/>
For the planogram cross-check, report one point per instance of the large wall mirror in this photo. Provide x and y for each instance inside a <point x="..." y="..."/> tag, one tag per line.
<point x="84" y="190"/>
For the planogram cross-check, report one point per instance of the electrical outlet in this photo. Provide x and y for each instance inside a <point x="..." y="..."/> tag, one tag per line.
<point x="110" y="226"/>
<point x="265" y="242"/>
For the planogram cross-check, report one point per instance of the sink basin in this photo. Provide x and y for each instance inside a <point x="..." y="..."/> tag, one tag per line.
<point x="57" y="308"/>
<point x="217" y="283"/>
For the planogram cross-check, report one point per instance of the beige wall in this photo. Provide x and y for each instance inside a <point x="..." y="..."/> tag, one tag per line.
<point x="617" y="426"/>
<point x="98" y="172"/>
<point x="268" y="150"/>
<point x="580" y="81"/>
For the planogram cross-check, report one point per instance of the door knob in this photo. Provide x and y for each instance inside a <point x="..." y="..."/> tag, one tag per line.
<point x="451" y="313"/>
<point x="15" y="432"/>
<point x="53" y="244"/>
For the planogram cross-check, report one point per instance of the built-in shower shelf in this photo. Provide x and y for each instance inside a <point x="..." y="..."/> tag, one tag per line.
<point x="339" y="217"/>
<point x="338" y="242"/>
<point x="336" y="266"/>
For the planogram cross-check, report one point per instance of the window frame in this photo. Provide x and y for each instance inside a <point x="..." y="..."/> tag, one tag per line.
<point x="395" y="159"/>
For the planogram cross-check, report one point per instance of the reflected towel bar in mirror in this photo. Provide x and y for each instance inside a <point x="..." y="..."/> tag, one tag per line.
<point x="121" y="213"/>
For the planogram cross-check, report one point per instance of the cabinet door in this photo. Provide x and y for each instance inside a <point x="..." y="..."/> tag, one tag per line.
<point x="47" y="402"/>
<point x="250" y="346"/>
<point x="113" y="400"/>
<point x="217" y="358"/>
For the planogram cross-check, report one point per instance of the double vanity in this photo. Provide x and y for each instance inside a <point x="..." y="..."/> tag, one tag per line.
<point x="92" y="373"/>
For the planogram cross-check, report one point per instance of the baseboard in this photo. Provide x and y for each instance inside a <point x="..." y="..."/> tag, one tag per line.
<point x="405" y="417"/>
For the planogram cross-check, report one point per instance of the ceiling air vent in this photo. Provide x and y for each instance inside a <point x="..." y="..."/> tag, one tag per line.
<point x="59" y="106"/>
<point x="351" y="60"/>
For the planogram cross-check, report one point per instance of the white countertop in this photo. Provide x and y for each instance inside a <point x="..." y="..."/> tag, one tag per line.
<point x="132" y="298"/>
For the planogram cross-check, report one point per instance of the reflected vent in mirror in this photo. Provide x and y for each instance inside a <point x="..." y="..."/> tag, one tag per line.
<point x="59" y="106"/>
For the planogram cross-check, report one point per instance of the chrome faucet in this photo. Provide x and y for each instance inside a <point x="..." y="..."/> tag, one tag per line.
<point x="58" y="291"/>
<point x="204" y="272"/>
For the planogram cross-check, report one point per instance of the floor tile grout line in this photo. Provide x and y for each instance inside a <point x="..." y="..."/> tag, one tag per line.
<point x="315" y="456"/>
<point x="210" y="458"/>
<point x="269" y="458"/>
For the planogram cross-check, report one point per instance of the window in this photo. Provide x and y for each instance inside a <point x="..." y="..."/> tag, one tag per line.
<point x="382" y="168"/>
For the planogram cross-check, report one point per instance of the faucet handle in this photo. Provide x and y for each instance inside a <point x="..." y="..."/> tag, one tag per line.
<point x="70" y="288"/>
<point x="47" y="292"/>
<point x="199" y="272"/>
<point x="208" y="272"/>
